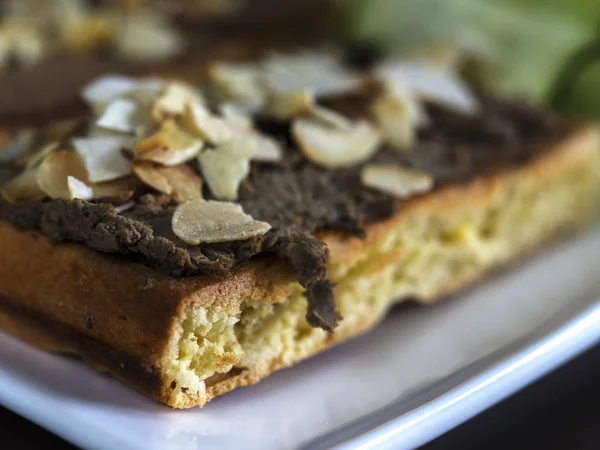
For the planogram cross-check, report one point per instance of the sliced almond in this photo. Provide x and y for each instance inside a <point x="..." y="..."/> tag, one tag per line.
<point x="330" y="118"/>
<point x="35" y="158"/>
<point x="78" y="189"/>
<point x="146" y="37"/>
<point x="396" y="180"/>
<point x="241" y="83"/>
<point x="322" y="73"/>
<point x="180" y="181"/>
<point x="23" y="188"/>
<point x="124" y="207"/>
<point x="395" y="90"/>
<point x="122" y="115"/>
<point x="226" y="167"/>
<point x="146" y="91"/>
<point x="264" y="148"/>
<point x="335" y="147"/>
<point x="287" y="105"/>
<point x="235" y="115"/>
<point x="206" y="222"/>
<point x="102" y="156"/>
<point x="169" y="146"/>
<point x="115" y="192"/>
<point x="102" y="90"/>
<point x="54" y="172"/>
<point x="431" y="83"/>
<point x="211" y="128"/>
<point x="395" y="122"/>
<point x="174" y="99"/>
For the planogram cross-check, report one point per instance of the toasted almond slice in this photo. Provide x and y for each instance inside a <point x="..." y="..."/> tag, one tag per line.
<point x="397" y="91"/>
<point x="35" y="158"/>
<point x="23" y="188"/>
<point x="121" y="115"/>
<point x="200" y="121"/>
<point x="330" y="118"/>
<point x="146" y="91"/>
<point x="334" y="147"/>
<point x="395" y="122"/>
<point x="431" y="83"/>
<point x="287" y="105"/>
<point x="180" y="181"/>
<point x="148" y="37"/>
<point x="226" y="167"/>
<point x="104" y="89"/>
<point x="169" y="146"/>
<point x="238" y="82"/>
<point x="102" y="156"/>
<point x="53" y="173"/>
<point x="174" y="99"/>
<point x="115" y="192"/>
<point x="206" y="222"/>
<point x="235" y="115"/>
<point x="396" y="180"/>
<point x="320" y="72"/>
<point x="78" y="189"/>
<point x="124" y="207"/>
<point x="264" y="148"/>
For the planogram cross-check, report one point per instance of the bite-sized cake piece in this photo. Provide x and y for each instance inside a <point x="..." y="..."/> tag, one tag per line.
<point x="193" y="240"/>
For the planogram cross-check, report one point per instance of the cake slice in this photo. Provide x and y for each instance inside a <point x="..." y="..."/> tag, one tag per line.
<point x="190" y="242"/>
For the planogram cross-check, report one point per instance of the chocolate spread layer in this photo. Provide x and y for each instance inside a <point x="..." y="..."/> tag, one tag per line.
<point x="299" y="200"/>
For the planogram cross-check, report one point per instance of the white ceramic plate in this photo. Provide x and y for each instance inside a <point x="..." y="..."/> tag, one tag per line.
<point x="420" y="373"/>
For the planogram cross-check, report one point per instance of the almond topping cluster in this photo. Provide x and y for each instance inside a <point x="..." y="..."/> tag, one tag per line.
<point x="34" y="29"/>
<point x="176" y="139"/>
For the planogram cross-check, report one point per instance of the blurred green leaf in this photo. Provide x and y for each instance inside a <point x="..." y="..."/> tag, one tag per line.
<point x="517" y="46"/>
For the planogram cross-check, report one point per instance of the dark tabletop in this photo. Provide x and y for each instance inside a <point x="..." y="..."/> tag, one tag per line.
<point x="561" y="411"/>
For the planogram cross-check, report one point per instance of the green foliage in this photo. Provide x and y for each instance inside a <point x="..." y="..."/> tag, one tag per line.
<point x="517" y="46"/>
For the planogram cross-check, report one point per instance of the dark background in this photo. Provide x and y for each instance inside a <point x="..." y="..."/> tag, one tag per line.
<point x="561" y="411"/>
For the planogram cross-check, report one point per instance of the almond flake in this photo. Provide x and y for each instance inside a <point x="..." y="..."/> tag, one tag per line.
<point x="335" y="147"/>
<point x="148" y="37"/>
<point x="396" y="180"/>
<point x="286" y="106"/>
<point x="102" y="156"/>
<point x="115" y="192"/>
<point x="320" y="72"/>
<point x="395" y="122"/>
<point x="121" y="114"/>
<point x="180" y="181"/>
<point x="35" y="158"/>
<point x="169" y="146"/>
<point x="102" y="90"/>
<point x="226" y="167"/>
<point x="124" y="207"/>
<point x="330" y="118"/>
<point x="200" y="221"/>
<point x="174" y="99"/>
<point x="146" y="90"/>
<point x="53" y="173"/>
<point x="235" y="115"/>
<point x="397" y="91"/>
<point x="238" y="82"/>
<point x="78" y="189"/>
<point x="22" y="188"/>
<point x="264" y="148"/>
<point x="211" y="128"/>
<point x="431" y="83"/>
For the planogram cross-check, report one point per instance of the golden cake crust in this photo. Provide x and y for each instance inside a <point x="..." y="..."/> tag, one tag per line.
<point x="127" y="319"/>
